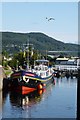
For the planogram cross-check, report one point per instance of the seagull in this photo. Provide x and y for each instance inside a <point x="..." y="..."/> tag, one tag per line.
<point x="50" y="19"/>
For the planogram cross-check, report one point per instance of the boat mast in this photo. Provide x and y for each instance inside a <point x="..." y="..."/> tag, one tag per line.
<point x="28" y="54"/>
<point x="46" y="54"/>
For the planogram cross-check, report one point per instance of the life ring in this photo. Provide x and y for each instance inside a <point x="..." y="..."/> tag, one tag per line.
<point x="27" y="80"/>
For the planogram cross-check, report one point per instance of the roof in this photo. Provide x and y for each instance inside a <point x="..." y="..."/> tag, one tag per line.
<point x="62" y="58"/>
<point x="71" y="60"/>
<point x="42" y="60"/>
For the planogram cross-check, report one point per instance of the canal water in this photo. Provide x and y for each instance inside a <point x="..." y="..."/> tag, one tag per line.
<point x="56" y="101"/>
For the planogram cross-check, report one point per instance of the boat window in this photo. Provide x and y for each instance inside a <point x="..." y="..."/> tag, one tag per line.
<point x="43" y="68"/>
<point x="36" y="68"/>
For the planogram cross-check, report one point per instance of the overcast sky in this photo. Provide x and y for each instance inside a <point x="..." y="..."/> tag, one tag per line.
<point x="31" y="17"/>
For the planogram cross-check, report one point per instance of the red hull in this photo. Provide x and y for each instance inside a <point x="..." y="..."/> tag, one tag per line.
<point x="24" y="90"/>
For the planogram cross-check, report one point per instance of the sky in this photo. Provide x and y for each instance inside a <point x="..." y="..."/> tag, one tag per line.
<point x="25" y="17"/>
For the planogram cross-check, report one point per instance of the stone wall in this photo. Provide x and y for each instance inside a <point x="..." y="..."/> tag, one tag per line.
<point x="2" y="76"/>
<point x="0" y="105"/>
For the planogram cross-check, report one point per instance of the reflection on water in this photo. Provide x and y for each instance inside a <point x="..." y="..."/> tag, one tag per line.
<point x="25" y="100"/>
<point x="56" y="101"/>
<point x="29" y="99"/>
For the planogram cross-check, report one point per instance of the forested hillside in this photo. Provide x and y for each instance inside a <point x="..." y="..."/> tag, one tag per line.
<point x="13" y="42"/>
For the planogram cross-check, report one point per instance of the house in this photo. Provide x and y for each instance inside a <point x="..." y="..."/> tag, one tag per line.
<point x="66" y="63"/>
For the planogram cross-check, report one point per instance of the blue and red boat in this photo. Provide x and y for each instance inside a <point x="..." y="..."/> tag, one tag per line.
<point x="32" y="79"/>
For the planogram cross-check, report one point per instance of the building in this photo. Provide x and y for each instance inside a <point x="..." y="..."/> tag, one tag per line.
<point x="67" y="63"/>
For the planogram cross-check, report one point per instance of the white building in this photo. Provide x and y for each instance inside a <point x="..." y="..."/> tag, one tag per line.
<point x="67" y="64"/>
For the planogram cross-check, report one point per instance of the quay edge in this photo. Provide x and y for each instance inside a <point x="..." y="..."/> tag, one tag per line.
<point x="2" y="77"/>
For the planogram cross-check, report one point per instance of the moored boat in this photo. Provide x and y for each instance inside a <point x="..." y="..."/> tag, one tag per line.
<point x="32" y="79"/>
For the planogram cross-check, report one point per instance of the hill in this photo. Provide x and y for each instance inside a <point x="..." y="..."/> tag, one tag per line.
<point x="13" y="42"/>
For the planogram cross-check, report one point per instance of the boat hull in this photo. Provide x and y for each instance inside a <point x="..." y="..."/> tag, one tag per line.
<point x="27" y="81"/>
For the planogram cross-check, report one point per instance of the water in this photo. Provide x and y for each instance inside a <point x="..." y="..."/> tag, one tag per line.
<point x="57" y="101"/>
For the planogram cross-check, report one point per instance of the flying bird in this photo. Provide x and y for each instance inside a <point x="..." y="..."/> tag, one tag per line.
<point x="50" y="19"/>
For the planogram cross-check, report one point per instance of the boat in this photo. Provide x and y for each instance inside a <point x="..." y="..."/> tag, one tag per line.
<point x="28" y="80"/>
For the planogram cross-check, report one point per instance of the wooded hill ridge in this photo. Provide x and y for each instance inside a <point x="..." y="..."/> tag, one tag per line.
<point x="13" y="42"/>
